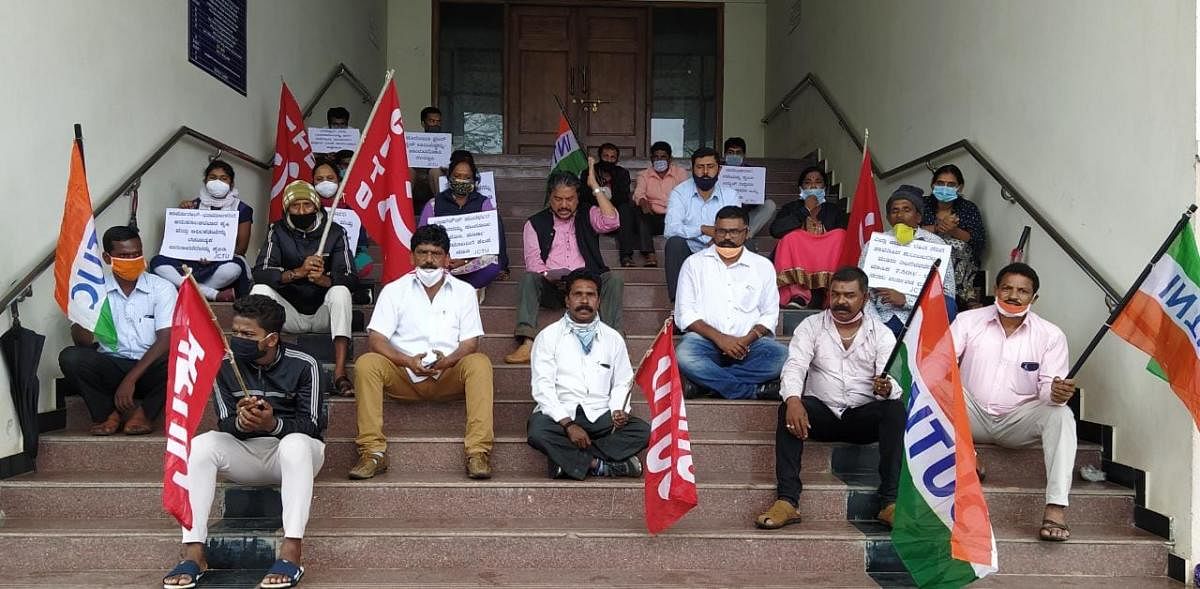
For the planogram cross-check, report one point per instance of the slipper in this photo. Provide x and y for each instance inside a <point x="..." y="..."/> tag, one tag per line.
<point x="780" y="514"/>
<point x="343" y="386"/>
<point x="137" y="427"/>
<point x="1049" y="525"/>
<point x="185" y="567"/>
<point x="107" y="427"/>
<point x="286" y="568"/>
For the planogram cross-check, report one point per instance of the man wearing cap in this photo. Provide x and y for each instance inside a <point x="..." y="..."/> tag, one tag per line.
<point x="890" y="306"/>
<point x="313" y="287"/>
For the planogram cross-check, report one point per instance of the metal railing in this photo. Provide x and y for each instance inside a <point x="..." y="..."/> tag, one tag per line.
<point x="21" y="287"/>
<point x="1008" y="190"/>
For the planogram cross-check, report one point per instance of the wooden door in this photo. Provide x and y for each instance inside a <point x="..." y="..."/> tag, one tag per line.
<point x="613" y="78"/>
<point x="542" y="56"/>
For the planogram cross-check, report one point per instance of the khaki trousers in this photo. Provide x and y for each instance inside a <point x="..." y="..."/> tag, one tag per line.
<point x="334" y="317"/>
<point x="1052" y="426"/>
<point x="471" y="378"/>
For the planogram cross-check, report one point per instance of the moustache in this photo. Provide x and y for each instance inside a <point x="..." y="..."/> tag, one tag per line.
<point x="587" y="308"/>
<point x="429" y="266"/>
<point x="727" y="243"/>
<point x="840" y="308"/>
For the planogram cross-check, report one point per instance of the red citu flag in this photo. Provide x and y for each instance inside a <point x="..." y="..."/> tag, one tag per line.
<point x="864" y="214"/>
<point x="378" y="188"/>
<point x="670" y="474"/>
<point x="293" y="154"/>
<point x="195" y="355"/>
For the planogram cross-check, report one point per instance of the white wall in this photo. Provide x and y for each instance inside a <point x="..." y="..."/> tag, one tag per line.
<point x="120" y="69"/>
<point x="1089" y="106"/>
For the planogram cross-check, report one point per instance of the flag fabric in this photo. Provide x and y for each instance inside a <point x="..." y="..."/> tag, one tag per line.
<point x="670" y="474"/>
<point x="568" y="156"/>
<point x="78" y="264"/>
<point x="194" y="358"/>
<point x="1161" y="316"/>
<point x="293" y="154"/>
<point x="942" y="531"/>
<point x="864" y="214"/>
<point x="377" y="185"/>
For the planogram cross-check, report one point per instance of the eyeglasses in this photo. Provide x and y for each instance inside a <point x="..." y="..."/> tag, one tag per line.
<point x="729" y="232"/>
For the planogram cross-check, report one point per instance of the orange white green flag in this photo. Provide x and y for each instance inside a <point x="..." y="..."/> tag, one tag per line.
<point x="568" y="156"/>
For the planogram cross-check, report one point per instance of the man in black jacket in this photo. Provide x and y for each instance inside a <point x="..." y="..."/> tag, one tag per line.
<point x="313" y="287"/>
<point x="268" y="433"/>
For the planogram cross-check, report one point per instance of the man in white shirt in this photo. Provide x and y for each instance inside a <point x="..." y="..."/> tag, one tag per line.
<point x="580" y="378"/>
<point x="691" y="210"/>
<point x="833" y="392"/>
<point x="729" y="305"/>
<point x="424" y="337"/>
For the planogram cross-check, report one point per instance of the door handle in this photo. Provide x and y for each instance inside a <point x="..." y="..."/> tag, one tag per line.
<point x="571" y="81"/>
<point x="584" y="81"/>
<point x="593" y="105"/>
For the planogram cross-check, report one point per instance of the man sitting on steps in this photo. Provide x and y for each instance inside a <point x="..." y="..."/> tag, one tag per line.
<point x="557" y="240"/>
<point x="580" y="379"/>
<point x="692" y="207"/>
<point x="273" y="436"/>
<point x="424" y="336"/>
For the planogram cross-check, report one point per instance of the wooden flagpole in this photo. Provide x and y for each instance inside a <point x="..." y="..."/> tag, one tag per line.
<point x="237" y="372"/>
<point x="629" y="394"/>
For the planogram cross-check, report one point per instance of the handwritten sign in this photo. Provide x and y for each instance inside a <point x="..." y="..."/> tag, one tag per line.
<point x="326" y="140"/>
<point x="749" y="182"/>
<point x="486" y="185"/>
<point x="194" y="234"/>
<point x="902" y="267"/>
<point x="471" y="235"/>
<point x="428" y="150"/>
<point x="349" y="221"/>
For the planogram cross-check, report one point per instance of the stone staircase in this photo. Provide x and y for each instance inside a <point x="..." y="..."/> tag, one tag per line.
<point x="91" y="514"/>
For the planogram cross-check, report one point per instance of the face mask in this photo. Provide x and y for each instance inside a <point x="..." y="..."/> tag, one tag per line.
<point x="729" y="253"/>
<point x="246" y="349"/>
<point x="904" y="233"/>
<point x="817" y="193"/>
<point x="849" y="321"/>
<point x="216" y="188"/>
<point x="734" y="159"/>
<point x="433" y="129"/>
<point x="326" y="189"/>
<point x="462" y="187"/>
<point x="342" y="171"/>
<point x="303" y="222"/>
<point x="430" y="276"/>
<point x="945" y="193"/>
<point x="660" y="166"/>
<point x="704" y="182"/>
<point x="128" y="269"/>
<point x="1014" y="311"/>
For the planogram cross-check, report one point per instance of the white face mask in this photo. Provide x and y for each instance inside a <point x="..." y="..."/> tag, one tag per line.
<point x="660" y="166"/>
<point x="326" y="189"/>
<point x="430" y="276"/>
<point x="216" y="188"/>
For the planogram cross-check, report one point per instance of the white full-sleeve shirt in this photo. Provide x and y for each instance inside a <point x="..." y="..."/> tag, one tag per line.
<point x="732" y="299"/>
<point x="415" y="324"/>
<point x="819" y="366"/>
<point x="564" y="378"/>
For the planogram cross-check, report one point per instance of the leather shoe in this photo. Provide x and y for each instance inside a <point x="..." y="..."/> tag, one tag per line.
<point x="479" y="466"/>
<point x="522" y="354"/>
<point x="369" y="465"/>
<point x="887" y="515"/>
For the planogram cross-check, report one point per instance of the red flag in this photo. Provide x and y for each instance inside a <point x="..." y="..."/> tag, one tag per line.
<point x="293" y="155"/>
<point x="378" y="188"/>
<point x="670" y="474"/>
<point x="195" y="357"/>
<point x="864" y="214"/>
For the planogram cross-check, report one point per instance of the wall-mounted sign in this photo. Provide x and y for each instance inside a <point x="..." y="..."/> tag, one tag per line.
<point x="217" y="40"/>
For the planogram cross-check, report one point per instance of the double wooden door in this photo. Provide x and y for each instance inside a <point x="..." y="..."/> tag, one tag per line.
<point x="594" y="60"/>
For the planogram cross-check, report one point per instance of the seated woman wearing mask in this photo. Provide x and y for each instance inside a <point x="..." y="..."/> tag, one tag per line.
<point x="956" y="220"/>
<point x="810" y="232"/>
<point x="326" y="180"/>
<point x="463" y="198"/>
<point x="217" y="194"/>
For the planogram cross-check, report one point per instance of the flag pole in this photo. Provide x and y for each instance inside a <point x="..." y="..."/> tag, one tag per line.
<point x="337" y="198"/>
<point x="237" y="373"/>
<point x="629" y="394"/>
<point x="1184" y="219"/>
<point x="1018" y="253"/>
<point x="563" y="110"/>
<point x="79" y="143"/>
<point x="904" y="331"/>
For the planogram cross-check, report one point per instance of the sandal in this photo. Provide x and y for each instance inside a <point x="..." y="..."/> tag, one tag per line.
<point x="137" y="426"/>
<point x="185" y="567"/>
<point x="1047" y="529"/>
<point x="343" y="386"/>
<point x="286" y="568"/>
<point x="780" y="514"/>
<point x="107" y="427"/>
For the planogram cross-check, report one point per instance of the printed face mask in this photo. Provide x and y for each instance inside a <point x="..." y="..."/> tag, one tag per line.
<point x="660" y="166"/>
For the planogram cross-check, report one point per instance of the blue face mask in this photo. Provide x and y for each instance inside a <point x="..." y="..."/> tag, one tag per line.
<point x="817" y="193"/>
<point x="734" y="159"/>
<point x="945" y="193"/>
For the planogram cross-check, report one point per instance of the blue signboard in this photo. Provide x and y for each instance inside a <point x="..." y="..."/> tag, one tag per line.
<point x="217" y="40"/>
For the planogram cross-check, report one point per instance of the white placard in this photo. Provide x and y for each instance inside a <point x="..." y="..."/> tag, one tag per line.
<point x="471" y="235"/>
<point x="902" y="267"/>
<point x="326" y="140"/>
<point x="428" y="150"/>
<point x="349" y="221"/>
<point x="486" y="186"/>
<point x="669" y="130"/>
<point x="750" y="183"/>
<point x="195" y="234"/>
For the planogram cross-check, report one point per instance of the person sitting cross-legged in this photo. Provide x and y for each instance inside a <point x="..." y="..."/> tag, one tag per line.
<point x="424" y="341"/>
<point x="729" y="306"/>
<point x="833" y="392"/>
<point x="271" y="435"/>
<point x="581" y="379"/>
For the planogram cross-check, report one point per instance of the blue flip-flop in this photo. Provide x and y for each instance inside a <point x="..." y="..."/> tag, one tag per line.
<point x="185" y="567"/>
<point x="286" y="568"/>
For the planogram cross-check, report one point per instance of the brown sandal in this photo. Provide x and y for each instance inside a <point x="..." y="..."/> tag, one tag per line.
<point x="780" y="514"/>
<point x="343" y="386"/>
<point x="107" y="427"/>
<point x="137" y="425"/>
<point x="1047" y="529"/>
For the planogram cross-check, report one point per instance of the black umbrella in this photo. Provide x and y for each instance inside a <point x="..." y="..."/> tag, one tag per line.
<point x="22" y="349"/>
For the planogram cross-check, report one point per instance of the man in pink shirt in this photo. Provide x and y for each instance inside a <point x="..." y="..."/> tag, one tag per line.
<point x="654" y="186"/>
<point x="1012" y="364"/>
<point x="557" y="240"/>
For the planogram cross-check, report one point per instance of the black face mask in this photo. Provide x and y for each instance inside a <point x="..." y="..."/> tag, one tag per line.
<point x="433" y="129"/>
<point x="245" y="349"/>
<point x="303" y="222"/>
<point x="704" y="182"/>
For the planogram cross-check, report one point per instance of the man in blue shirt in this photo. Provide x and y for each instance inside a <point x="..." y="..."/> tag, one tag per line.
<point x="692" y="211"/>
<point x="126" y="379"/>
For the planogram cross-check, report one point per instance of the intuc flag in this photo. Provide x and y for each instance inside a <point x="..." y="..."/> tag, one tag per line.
<point x="670" y="474"/>
<point x="193" y="360"/>
<point x="293" y="154"/>
<point x="568" y="156"/>
<point x="942" y="532"/>
<point x="78" y="266"/>
<point x="864" y="214"/>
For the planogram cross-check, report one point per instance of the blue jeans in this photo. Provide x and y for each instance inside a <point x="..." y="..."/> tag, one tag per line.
<point x="701" y="362"/>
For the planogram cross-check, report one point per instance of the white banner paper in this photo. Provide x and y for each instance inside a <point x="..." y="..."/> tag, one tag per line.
<point x="428" y="150"/>
<point x="486" y="186"/>
<point x="902" y="267"/>
<point x="349" y="221"/>
<point x="324" y="140"/>
<point x="471" y="235"/>
<point x="194" y="235"/>
<point x="749" y="182"/>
